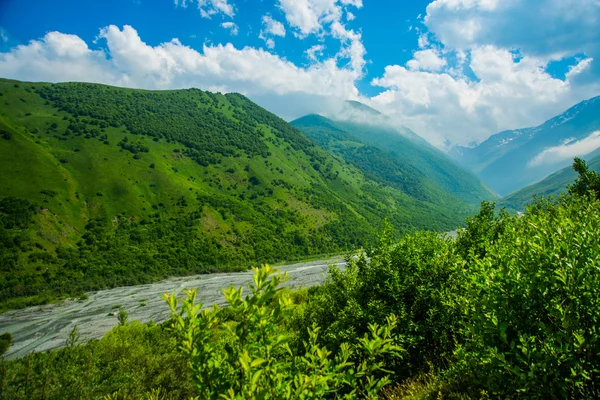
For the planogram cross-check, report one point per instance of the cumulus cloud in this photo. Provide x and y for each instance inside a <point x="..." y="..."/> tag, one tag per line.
<point x="542" y="28"/>
<point x="271" y="28"/>
<point x="324" y="17"/>
<point x="509" y="92"/>
<point x="208" y="8"/>
<point x="427" y="60"/>
<point x="128" y="61"/>
<point x="231" y="27"/>
<point x="482" y="67"/>
<point x="313" y="53"/>
<point x="567" y="151"/>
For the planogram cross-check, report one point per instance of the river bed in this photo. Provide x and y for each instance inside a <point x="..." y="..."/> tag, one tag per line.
<point x="47" y="327"/>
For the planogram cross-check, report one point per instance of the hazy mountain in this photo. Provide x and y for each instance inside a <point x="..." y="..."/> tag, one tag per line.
<point x="552" y="185"/>
<point x="395" y="156"/>
<point x="510" y="160"/>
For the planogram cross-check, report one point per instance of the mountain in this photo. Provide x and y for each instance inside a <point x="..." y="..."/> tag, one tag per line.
<point x="552" y="185"/>
<point x="511" y="160"/>
<point x="393" y="157"/>
<point x="104" y="186"/>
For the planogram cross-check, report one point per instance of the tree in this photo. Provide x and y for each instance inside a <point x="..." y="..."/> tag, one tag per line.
<point x="587" y="182"/>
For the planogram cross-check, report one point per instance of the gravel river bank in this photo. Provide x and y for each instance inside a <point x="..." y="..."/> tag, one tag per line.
<point x="47" y="327"/>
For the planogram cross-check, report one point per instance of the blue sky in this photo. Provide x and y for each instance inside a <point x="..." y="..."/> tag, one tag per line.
<point x="454" y="71"/>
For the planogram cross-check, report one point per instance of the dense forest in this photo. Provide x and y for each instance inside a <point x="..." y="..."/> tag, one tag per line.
<point x="104" y="186"/>
<point x="508" y="309"/>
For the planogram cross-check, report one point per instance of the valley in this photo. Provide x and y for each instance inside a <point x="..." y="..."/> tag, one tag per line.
<point x="105" y="187"/>
<point x="48" y="327"/>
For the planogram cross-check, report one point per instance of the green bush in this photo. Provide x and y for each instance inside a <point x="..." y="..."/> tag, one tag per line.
<point x="129" y="361"/>
<point x="414" y="279"/>
<point x="249" y="357"/>
<point x="533" y="306"/>
<point x="5" y="342"/>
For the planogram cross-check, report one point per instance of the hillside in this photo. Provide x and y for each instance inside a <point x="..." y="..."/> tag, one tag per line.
<point x="103" y="186"/>
<point x="510" y="160"/>
<point x="395" y="159"/>
<point x="552" y="185"/>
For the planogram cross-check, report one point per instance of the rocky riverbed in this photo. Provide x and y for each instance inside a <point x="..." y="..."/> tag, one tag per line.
<point x="47" y="327"/>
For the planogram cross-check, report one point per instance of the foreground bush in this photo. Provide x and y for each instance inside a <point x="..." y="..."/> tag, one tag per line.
<point x="253" y="359"/>
<point x="414" y="279"/>
<point x="533" y="306"/>
<point x="129" y="362"/>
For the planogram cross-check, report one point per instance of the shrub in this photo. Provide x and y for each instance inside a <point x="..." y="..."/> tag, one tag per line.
<point x="254" y="360"/>
<point x="415" y="279"/>
<point x="533" y="306"/>
<point x="5" y="342"/>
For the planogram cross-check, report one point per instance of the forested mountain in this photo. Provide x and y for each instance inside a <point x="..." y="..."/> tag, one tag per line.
<point x="552" y="185"/>
<point x="511" y="160"/>
<point x="104" y="186"/>
<point x="397" y="158"/>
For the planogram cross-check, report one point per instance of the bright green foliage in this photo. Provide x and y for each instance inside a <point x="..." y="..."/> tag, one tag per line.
<point x="130" y="362"/>
<point x="123" y="317"/>
<point x="587" y="181"/>
<point x="482" y="230"/>
<point x="254" y="359"/>
<point x="414" y="279"/>
<point x="533" y="306"/>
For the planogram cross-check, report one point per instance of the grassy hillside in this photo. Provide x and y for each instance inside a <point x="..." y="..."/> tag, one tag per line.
<point x="389" y="157"/>
<point x="104" y="186"/>
<point x="553" y="185"/>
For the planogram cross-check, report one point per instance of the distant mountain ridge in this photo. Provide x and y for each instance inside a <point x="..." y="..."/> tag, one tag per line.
<point x="512" y="159"/>
<point x="552" y="185"/>
<point x="393" y="156"/>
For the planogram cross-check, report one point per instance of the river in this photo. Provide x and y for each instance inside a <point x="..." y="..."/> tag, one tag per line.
<point x="47" y="327"/>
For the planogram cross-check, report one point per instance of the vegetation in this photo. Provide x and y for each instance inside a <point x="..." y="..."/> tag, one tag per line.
<point x="510" y="309"/>
<point x="397" y="157"/>
<point x="554" y="185"/>
<point x="105" y="186"/>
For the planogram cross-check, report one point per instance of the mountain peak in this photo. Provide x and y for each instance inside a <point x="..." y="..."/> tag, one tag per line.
<point x="356" y="105"/>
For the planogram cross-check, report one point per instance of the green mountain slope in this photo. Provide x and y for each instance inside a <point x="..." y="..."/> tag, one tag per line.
<point x="396" y="159"/>
<point x="552" y="185"/>
<point x="104" y="186"/>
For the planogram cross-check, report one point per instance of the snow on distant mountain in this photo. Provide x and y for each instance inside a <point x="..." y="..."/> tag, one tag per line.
<point x="513" y="159"/>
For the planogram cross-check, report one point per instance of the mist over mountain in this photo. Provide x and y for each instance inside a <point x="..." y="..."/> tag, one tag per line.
<point x="513" y="159"/>
<point x="358" y="130"/>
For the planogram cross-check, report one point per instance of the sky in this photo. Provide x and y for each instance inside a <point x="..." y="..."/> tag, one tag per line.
<point x="453" y="71"/>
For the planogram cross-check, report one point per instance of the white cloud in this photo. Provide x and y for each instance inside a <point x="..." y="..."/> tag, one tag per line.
<point x="314" y="52"/>
<point x="273" y="27"/>
<point x="542" y="28"/>
<point x="311" y="16"/>
<point x="3" y="36"/>
<point x="567" y="151"/>
<point x="426" y="60"/>
<point x="128" y="61"/>
<point x="208" y="8"/>
<point x="423" y="41"/>
<point x="482" y="67"/>
<point x="324" y="17"/>
<point x="270" y="28"/>
<point x="508" y="93"/>
<point x="232" y="27"/>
